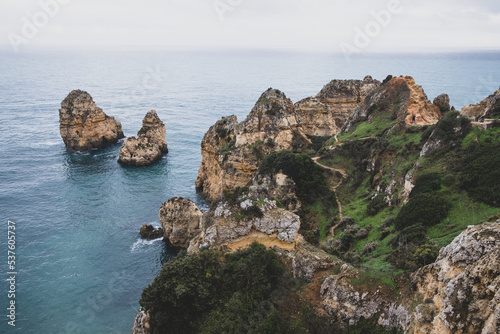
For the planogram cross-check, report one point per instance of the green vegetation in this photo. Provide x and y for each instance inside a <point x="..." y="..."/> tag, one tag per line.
<point x="373" y="128"/>
<point x="308" y="176"/>
<point x="205" y="293"/>
<point x="221" y="132"/>
<point x="425" y="209"/>
<point x="481" y="173"/>
<point x="318" y="142"/>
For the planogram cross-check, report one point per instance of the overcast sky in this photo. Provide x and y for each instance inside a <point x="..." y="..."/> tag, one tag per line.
<point x="309" y="25"/>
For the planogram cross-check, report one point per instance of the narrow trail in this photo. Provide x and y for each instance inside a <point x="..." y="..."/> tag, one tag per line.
<point x="334" y="188"/>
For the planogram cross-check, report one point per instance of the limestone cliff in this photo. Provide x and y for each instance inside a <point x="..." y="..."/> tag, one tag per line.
<point x="257" y="214"/>
<point x="401" y="96"/>
<point x="84" y="126"/>
<point x="325" y="114"/>
<point x="149" y="146"/>
<point x="459" y="293"/>
<point x="232" y="151"/>
<point x="461" y="290"/>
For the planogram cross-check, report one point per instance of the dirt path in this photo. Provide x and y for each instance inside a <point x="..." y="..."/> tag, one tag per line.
<point x="334" y="188"/>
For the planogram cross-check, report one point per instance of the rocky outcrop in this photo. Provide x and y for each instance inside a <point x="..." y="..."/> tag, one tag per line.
<point x="348" y="303"/>
<point x="442" y="102"/>
<point x="325" y="114"/>
<point x="459" y="293"/>
<point x="232" y="151"/>
<point x="84" y="126"/>
<point x="180" y="219"/>
<point x="150" y="232"/>
<point x="488" y="108"/>
<point x="402" y="98"/>
<point x="141" y="323"/>
<point x="461" y="290"/>
<point x="149" y="146"/>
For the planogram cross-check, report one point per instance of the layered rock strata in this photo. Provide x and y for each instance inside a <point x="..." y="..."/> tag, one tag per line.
<point x="85" y="126"/>
<point x="149" y="146"/>
<point x="326" y="113"/>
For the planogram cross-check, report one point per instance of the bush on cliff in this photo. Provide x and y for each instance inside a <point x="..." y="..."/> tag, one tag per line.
<point x="452" y="128"/>
<point x="307" y="175"/>
<point x="426" y="183"/>
<point x="212" y="294"/>
<point x="481" y="173"/>
<point x="425" y="209"/>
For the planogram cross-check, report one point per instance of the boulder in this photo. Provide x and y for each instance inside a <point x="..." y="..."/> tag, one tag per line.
<point x="84" y="126"/>
<point x="180" y="219"/>
<point x="442" y="102"/>
<point x="150" y="232"/>
<point x="149" y="146"/>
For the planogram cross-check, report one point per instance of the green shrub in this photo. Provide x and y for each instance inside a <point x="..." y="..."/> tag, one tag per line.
<point x="425" y="209"/>
<point x="426" y="183"/>
<point x="318" y="141"/>
<point x="414" y="234"/>
<point x="208" y="294"/>
<point x="376" y="205"/>
<point x="425" y="254"/>
<point x="221" y="132"/>
<point x="481" y="173"/>
<point x="307" y="175"/>
<point x="452" y="127"/>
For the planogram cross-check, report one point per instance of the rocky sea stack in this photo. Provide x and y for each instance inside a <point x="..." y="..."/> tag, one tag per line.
<point x="149" y="146"/>
<point x="84" y="125"/>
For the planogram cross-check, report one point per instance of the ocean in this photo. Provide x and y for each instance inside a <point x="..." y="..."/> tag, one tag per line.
<point x="81" y="265"/>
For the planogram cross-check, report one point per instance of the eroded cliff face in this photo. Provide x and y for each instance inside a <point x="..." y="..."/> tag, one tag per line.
<point x="149" y="146"/>
<point x="459" y="293"/>
<point x="348" y="303"/>
<point x="461" y="290"/>
<point x="325" y="114"/>
<point x="259" y="214"/>
<point x="401" y="96"/>
<point x="232" y="151"/>
<point x="84" y="126"/>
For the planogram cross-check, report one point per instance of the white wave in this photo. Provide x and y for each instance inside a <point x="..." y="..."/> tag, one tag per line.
<point x="140" y="244"/>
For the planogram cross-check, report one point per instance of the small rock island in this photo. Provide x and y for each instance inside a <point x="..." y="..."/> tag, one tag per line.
<point x="149" y="146"/>
<point x="85" y="126"/>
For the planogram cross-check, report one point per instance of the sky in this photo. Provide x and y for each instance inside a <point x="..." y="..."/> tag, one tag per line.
<point x="304" y="25"/>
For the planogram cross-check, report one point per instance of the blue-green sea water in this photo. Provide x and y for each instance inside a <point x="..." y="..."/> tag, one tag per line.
<point x="80" y="263"/>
